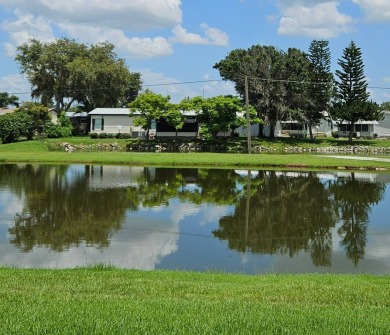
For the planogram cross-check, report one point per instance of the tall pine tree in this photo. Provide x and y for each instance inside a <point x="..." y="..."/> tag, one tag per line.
<point x="351" y="103"/>
<point x="321" y="78"/>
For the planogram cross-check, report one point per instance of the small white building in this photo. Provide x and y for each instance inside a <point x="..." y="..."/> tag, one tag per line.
<point x="360" y="128"/>
<point x="118" y="120"/>
<point x="114" y="121"/>
<point x="383" y="127"/>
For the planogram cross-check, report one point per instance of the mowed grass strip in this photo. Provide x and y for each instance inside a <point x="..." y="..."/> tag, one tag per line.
<point x="111" y="301"/>
<point x="38" y="152"/>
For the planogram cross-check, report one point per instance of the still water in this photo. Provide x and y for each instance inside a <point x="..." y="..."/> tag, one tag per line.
<point x="59" y="216"/>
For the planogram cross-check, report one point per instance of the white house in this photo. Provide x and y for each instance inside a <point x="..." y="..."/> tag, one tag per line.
<point x="327" y="126"/>
<point x="383" y="127"/>
<point x="361" y="128"/>
<point x="118" y="120"/>
<point x="114" y="121"/>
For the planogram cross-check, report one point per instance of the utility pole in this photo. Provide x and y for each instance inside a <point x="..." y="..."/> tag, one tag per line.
<point x="248" y="123"/>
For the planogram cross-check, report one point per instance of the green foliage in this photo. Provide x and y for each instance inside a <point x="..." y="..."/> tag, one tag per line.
<point x="7" y="100"/>
<point x="123" y="136"/>
<point x="64" y="128"/>
<point x="103" y="135"/>
<point x="132" y="90"/>
<point x="271" y="75"/>
<point x="174" y="117"/>
<point x="148" y="107"/>
<point x="352" y="85"/>
<point x="93" y="135"/>
<point x="220" y="114"/>
<point x="351" y="103"/>
<point x="385" y="106"/>
<point x="74" y="72"/>
<point x="16" y="125"/>
<point x="320" y="91"/>
<point x="39" y="113"/>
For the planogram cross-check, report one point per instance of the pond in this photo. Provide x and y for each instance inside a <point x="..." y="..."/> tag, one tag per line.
<point x="241" y="221"/>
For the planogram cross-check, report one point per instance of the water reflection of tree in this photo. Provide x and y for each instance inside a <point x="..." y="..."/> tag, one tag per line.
<point x="156" y="187"/>
<point x="353" y="199"/>
<point x="286" y="215"/>
<point x="213" y="186"/>
<point x="208" y="185"/>
<point x="61" y="212"/>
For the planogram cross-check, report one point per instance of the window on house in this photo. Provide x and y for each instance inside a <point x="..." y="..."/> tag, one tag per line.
<point x="98" y="124"/>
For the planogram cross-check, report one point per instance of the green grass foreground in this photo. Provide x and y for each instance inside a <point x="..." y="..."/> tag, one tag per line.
<point x="38" y="151"/>
<point x="102" y="300"/>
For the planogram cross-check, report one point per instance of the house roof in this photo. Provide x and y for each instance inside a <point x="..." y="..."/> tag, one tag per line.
<point x="77" y="114"/>
<point x="6" y="110"/>
<point x="359" y="122"/>
<point x="110" y="111"/>
<point x="125" y="111"/>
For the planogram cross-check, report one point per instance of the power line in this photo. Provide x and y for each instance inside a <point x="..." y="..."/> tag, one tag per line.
<point x="201" y="81"/>
<point x="184" y="82"/>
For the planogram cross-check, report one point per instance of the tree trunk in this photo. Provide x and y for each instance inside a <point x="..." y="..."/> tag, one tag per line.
<point x="261" y="131"/>
<point x="310" y="132"/>
<point x="351" y="132"/>
<point x="272" y="130"/>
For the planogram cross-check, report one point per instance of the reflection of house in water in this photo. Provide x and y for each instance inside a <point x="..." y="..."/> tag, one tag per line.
<point x="373" y="177"/>
<point x="112" y="176"/>
<point x="188" y="175"/>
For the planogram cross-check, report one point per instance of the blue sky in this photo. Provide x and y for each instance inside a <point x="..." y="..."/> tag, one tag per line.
<point x="179" y="41"/>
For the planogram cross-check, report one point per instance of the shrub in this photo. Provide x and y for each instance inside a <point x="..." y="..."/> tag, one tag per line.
<point x="56" y="131"/>
<point x="63" y="128"/>
<point x="124" y="135"/>
<point x="15" y="125"/>
<point x="103" y="135"/>
<point x="93" y="135"/>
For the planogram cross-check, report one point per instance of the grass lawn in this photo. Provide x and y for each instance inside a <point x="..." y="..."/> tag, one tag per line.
<point x="103" y="300"/>
<point x="38" y="151"/>
<point x="110" y="301"/>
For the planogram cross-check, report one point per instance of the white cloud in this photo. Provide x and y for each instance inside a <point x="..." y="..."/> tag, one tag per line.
<point x="123" y="14"/>
<point x="96" y="21"/>
<point x="158" y="82"/>
<point x="26" y="27"/>
<point x="316" y="19"/>
<point x="14" y="84"/>
<point x="213" y="36"/>
<point x="213" y="88"/>
<point x="376" y="10"/>
<point x="136" y="248"/>
<point x="132" y="47"/>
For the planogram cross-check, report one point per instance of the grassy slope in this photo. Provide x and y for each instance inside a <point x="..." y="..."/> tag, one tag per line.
<point x="37" y="151"/>
<point x="104" y="301"/>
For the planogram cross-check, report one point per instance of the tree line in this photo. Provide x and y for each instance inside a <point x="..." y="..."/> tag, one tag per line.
<point x="282" y="85"/>
<point x="300" y="85"/>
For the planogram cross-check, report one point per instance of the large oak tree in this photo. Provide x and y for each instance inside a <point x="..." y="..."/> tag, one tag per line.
<point x="64" y="72"/>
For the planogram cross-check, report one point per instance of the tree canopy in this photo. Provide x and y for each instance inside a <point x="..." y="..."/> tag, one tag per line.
<point x="321" y="80"/>
<point x="280" y="83"/>
<point x="149" y="107"/>
<point x="264" y="68"/>
<point x="220" y="114"/>
<point x="8" y="100"/>
<point x="63" y="72"/>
